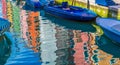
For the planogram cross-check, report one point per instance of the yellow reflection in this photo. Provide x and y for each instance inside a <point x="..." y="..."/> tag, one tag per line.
<point x="99" y="31"/>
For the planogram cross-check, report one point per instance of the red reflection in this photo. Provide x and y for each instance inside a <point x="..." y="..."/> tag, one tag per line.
<point x="4" y="10"/>
<point x="80" y="38"/>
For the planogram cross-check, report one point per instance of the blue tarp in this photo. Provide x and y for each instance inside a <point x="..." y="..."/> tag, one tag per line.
<point x="105" y="2"/>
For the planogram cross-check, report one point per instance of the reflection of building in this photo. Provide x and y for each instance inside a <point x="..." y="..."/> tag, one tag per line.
<point x="24" y="26"/>
<point x="33" y="29"/>
<point x="80" y="38"/>
<point x="9" y="11"/>
<point x="1" y="5"/>
<point x="64" y="47"/>
<point x="117" y="1"/>
<point x="4" y="8"/>
<point x="48" y="42"/>
<point x="92" y="58"/>
<point x="97" y="56"/>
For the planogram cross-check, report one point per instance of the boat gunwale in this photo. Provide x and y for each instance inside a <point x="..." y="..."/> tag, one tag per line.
<point x="108" y="27"/>
<point x="65" y="12"/>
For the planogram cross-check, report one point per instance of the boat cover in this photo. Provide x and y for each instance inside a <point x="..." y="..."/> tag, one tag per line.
<point x="105" y="2"/>
<point x="116" y="27"/>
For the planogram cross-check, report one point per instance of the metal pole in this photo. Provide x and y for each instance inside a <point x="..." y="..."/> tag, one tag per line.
<point x="72" y="2"/>
<point x="88" y="4"/>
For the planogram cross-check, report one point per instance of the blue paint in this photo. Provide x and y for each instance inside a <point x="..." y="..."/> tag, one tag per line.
<point x="71" y="12"/>
<point x="105" y="2"/>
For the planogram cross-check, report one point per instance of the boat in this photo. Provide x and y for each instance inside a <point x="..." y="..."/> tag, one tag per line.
<point x="70" y="12"/>
<point x="34" y="3"/>
<point x="4" y="25"/>
<point x="111" y="28"/>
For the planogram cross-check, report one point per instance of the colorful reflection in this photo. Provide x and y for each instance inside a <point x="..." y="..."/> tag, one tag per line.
<point x="33" y="30"/>
<point x="80" y="38"/>
<point x="48" y="42"/>
<point x="4" y="6"/>
<point x="58" y="41"/>
<point x="64" y="46"/>
<point x="24" y="26"/>
<point x="75" y="47"/>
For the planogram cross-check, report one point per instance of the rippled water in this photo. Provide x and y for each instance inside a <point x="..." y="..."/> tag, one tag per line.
<point x="65" y="42"/>
<point x="4" y="49"/>
<point x="62" y="42"/>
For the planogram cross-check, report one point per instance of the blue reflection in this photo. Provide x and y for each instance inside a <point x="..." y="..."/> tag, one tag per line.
<point x="4" y="49"/>
<point x="108" y="46"/>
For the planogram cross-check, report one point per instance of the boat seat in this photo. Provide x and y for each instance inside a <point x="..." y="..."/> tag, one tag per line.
<point x="116" y="27"/>
<point x="64" y="4"/>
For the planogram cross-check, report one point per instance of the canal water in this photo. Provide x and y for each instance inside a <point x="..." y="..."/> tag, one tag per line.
<point x="58" y="41"/>
<point x="65" y="42"/>
<point x="5" y="49"/>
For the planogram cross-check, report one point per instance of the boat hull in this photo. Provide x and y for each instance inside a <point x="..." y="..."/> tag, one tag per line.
<point x="108" y="31"/>
<point x="111" y="35"/>
<point x="68" y="15"/>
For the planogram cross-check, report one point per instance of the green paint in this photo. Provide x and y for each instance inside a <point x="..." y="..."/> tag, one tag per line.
<point x="16" y="18"/>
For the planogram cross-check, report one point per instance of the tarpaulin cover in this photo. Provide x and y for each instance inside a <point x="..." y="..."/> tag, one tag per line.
<point x="105" y="2"/>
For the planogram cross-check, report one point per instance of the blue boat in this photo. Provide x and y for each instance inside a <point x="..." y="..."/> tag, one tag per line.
<point x="4" y="25"/>
<point x="34" y="3"/>
<point x="111" y="28"/>
<point x="70" y="12"/>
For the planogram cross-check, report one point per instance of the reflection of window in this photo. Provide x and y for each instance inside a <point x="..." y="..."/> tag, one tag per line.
<point x="30" y="41"/>
<point x="38" y="40"/>
<point x="77" y="36"/>
<point x="27" y="33"/>
<point x="37" y="28"/>
<point x="79" y="40"/>
<point x="36" y="21"/>
<point x="36" y="18"/>
<point x="37" y="24"/>
<point x="30" y="38"/>
<point x="29" y="24"/>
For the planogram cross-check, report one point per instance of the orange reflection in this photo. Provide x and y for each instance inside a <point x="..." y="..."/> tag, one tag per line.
<point x="103" y="57"/>
<point x="33" y="28"/>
